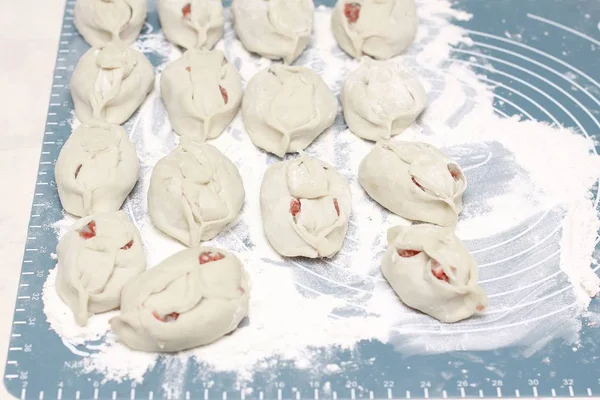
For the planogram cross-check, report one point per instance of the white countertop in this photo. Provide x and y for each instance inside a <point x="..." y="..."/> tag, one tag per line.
<point x="29" y="34"/>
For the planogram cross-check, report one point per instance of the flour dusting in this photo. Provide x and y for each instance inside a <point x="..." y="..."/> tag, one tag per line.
<point x="530" y="220"/>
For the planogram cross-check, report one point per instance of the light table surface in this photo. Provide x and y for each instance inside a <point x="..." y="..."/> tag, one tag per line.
<point x="29" y="35"/>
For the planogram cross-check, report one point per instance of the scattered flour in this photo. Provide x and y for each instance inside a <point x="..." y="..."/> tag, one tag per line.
<point x="529" y="215"/>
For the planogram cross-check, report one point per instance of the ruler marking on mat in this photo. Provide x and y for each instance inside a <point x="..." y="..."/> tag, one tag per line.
<point x="571" y="393"/>
<point x="462" y="392"/>
<point x="553" y="392"/>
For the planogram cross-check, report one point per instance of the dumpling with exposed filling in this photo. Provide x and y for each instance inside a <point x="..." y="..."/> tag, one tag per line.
<point x="110" y="83"/>
<point x="381" y="99"/>
<point x="96" y="258"/>
<point x="275" y="29"/>
<point x="286" y="108"/>
<point x="192" y="24"/>
<point x="414" y="180"/>
<point x="380" y="29"/>
<point x="195" y="192"/>
<point x="432" y="271"/>
<point x="305" y="205"/>
<point x="103" y="21"/>
<point x="202" y="93"/>
<point x="96" y="169"/>
<point x="188" y="300"/>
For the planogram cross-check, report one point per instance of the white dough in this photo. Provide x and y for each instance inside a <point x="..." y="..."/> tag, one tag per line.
<point x="96" y="258"/>
<point x="286" y="108"/>
<point x="195" y="192"/>
<point x="110" y="83"/>
<point x="383" y="29"/>
<point x="305" y="205"/>
<point x="414" y="180"/>
<point x="96" y="169"/>
<point x="202" y="93"/>
<point x="192" y="24"/>
<point x="432" y="271"/>
<point x="381" y="99"/>
<point x="104" y="21"/>
<point x="190" y="299"/>
<point x="275" y="29"/>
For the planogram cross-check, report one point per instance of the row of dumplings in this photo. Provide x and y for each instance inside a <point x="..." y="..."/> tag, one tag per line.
<point x="196" y="191"/>
<point x="275" y="29"/>
<point x="101" y="262"/>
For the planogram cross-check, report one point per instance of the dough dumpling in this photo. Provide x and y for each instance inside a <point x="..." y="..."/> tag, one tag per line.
<point x="103" y="21"/>
<point x="195" y="192"/>
<point x="275" y="29"/>
<point x="192" y="24"/>
<point x="381" y="99"/>
<point x="381" y="29"/>
<point x="202" y="93"/>
<point x="286" y="108"/>
<point x="96" y="258"/>
<point x="110" y="83"/>
<point x="414" y="180"/>
<point x="190" y="299"/>
<point x="432" y="271"/>
<point x="96" y="169"/>
<point x="305" y="205"/>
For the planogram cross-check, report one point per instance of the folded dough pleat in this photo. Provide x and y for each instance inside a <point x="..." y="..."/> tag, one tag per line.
<point x="380" y="29"/>
<point x="414" y="180"/>
<point x="96" y="169"/>
<point x="190" y="299"/>
<point x="192" y="24"/>
<point x="103" y="21"/>
<point x="195" y="192"/>
<point x="285" y="108"/>
<point x="431" y="271"/>
<point x="202" y="93"/>
<point x="96" y="258"/>
<point x="109" y="83"/>
<point x="305" y="206"/>
<point x="275" y="29"/>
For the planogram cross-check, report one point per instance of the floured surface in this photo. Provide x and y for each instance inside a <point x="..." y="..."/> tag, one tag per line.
<point x="530" y="220"/>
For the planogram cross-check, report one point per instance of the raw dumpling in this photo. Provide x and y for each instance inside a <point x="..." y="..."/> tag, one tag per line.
<point x="96" y="169"/>
<point x="378" y="28"/>
<point x="98" y="255"/>
<point x="305" y="205"/>
<point x="381" y="99"/>
<point x="195" y="191"/>
<point x="286" y="108"/>
<point x="190" y="299"/>
<point x="202" y="93"/>
<point x="415" y="181"/>
<point x="104" y="21"/>
<point x="110" y="83"/>
<point x="275" y="29"/>
<point x="432" y="271"/>
<point x="193" y="24"/>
